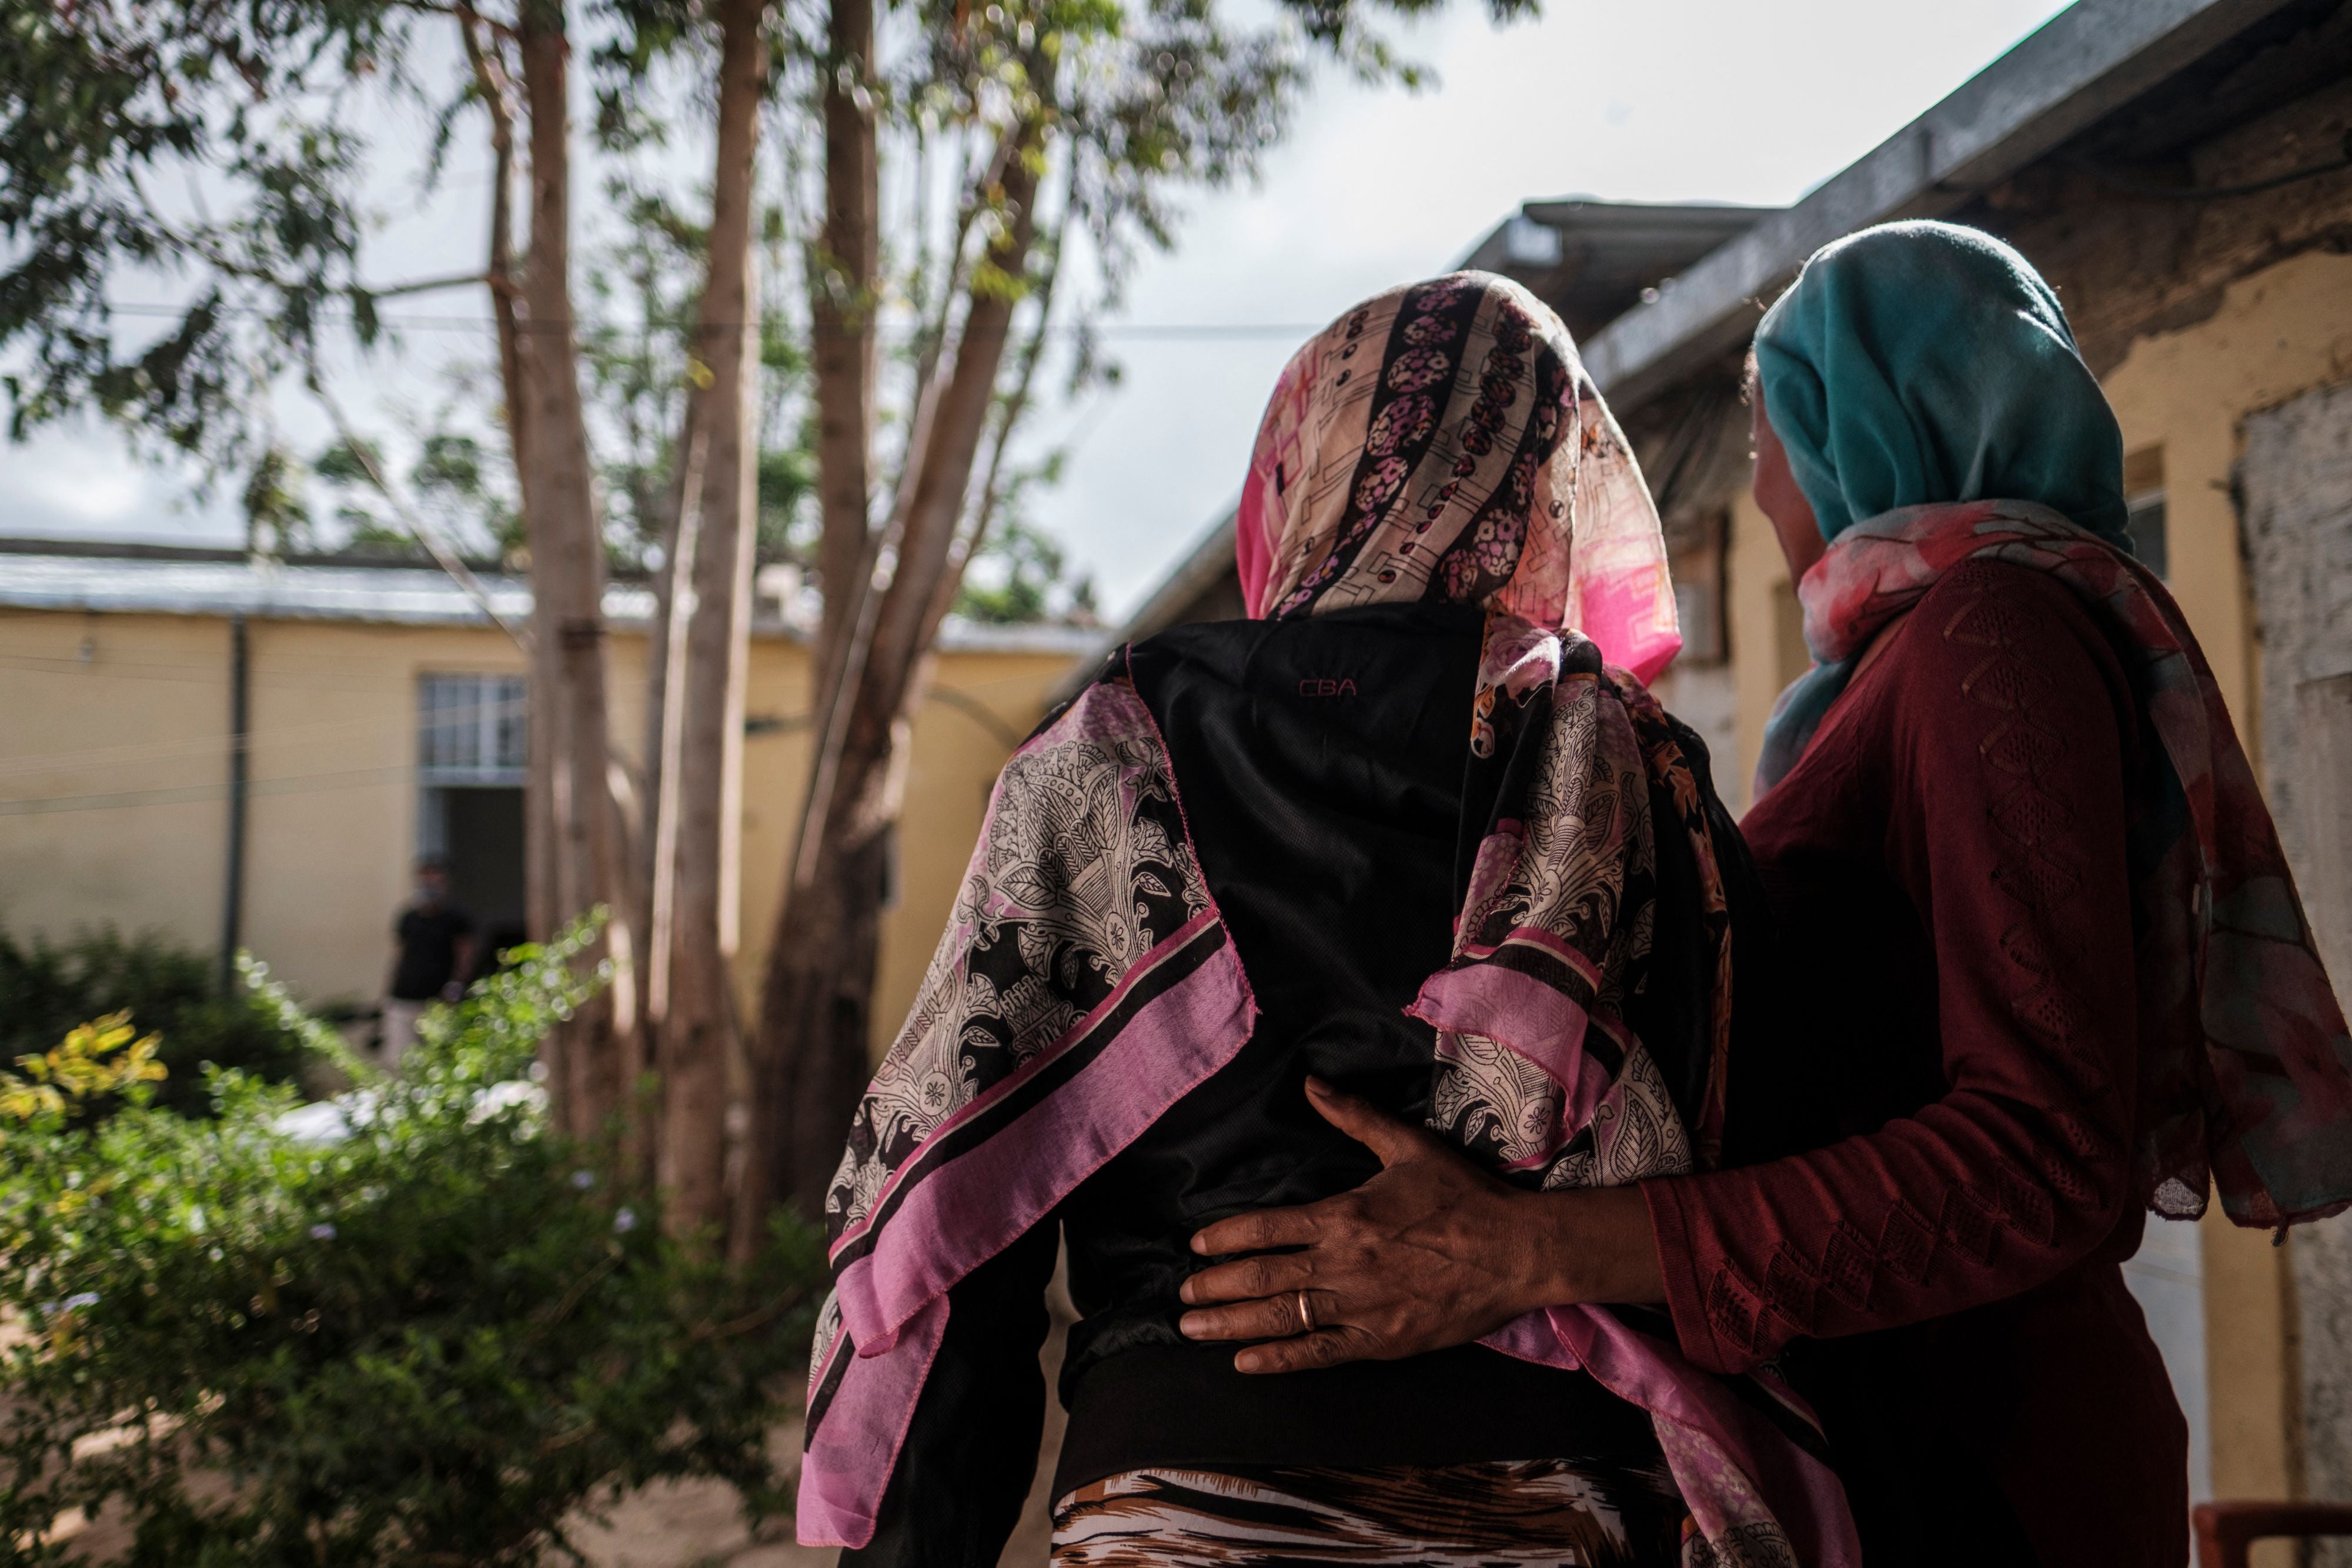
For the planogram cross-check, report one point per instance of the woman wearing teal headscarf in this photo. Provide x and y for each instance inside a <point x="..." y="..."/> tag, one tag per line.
<point x="2053" y="970"/>
<point x="1919" y="364"/>
<point x="1925" y="363"/>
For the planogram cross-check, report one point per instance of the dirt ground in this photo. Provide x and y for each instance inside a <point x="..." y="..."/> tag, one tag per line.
<point x="695" y="1524"/>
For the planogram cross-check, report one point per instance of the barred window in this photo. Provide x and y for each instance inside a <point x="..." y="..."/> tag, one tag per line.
<point x="471" y="730"/>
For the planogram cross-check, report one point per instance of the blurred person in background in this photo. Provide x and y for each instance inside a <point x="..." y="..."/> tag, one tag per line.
<point x="1395" y="900"/>
<point x="433" y="955"/>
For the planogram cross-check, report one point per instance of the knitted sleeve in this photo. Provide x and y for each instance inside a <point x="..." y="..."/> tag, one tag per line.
<point x="2000" y="756"/>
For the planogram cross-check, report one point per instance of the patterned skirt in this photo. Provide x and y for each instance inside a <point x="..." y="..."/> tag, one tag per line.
<point x="1538" y="1512"/>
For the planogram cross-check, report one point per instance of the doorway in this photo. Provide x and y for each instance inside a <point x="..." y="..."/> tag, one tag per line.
<point x="473" y="751"/>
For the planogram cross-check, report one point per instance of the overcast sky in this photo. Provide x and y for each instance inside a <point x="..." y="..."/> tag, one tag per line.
<point x="1657" y="100"/>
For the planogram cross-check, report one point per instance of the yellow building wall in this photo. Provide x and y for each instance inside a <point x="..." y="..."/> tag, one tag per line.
<point x="2181" y="399"/>
<point x="1757" y="586"/>
<point x="115" y="792"/>
<point x="104" y="721"/>
<point x="114" y="765"/>
<point x="2186" y="395"/>
<point x="980" y="707"/>
<point x="2278" y="334"/>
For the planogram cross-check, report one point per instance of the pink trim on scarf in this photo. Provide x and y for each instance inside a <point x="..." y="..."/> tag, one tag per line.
<point x="1546" y="942"/>
<point x="1002" y="1187"/>
<point x="894" y="1300"/>
<point x="1526" y="1018"/>
<point x="1253" y="557"/>
<point x="1044" y="1058"/>
<point x="1727" y="1460"/>
<point x="862" y="1433"/>
<point x="1628" y="614"/>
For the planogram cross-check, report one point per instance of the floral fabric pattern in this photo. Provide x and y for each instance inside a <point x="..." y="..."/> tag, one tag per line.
<point x="1444" y="442"/>
<point x="1564" y="891"/>
<point x="1082" y="867"/>
<point x="1085" y="983"/>
<point x="1539" y="1076"/>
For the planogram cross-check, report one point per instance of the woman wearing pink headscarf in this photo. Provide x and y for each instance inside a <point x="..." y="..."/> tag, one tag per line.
<point x="1399" y="912"/>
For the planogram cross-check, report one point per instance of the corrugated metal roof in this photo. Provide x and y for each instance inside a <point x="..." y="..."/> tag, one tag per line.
<point x="381" y="595"/>
<point x="265" y="589"/>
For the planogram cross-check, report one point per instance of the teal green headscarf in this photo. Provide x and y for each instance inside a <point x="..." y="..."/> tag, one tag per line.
<point x="1922" y="362"/>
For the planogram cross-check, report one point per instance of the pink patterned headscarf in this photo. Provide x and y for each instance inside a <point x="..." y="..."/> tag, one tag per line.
<point x="1440" y="443"/>
<point x="1443" y="441"/>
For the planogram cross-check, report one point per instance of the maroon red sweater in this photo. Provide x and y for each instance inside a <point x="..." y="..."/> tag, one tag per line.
<point x="1955" y="1053"/>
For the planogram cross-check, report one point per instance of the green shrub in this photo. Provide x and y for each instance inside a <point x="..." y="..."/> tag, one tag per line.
<point x="424" y="1342"/>
<point x="47" y="989"/>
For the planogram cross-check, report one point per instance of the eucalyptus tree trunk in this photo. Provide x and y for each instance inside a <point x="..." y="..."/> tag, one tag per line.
<point x="697" y="1039"/>
<point x="843" y="267"/>
<point x="816" y="1013"/>
<point x="845" y="287"/>
<point x="666" y="708"/>
<point x="496" y="90"/>
<point x="492" y="81"/>
<point x="576" y="854"/>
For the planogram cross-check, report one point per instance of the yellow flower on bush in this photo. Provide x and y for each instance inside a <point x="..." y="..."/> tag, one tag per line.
<point x="99" y="1058"/>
